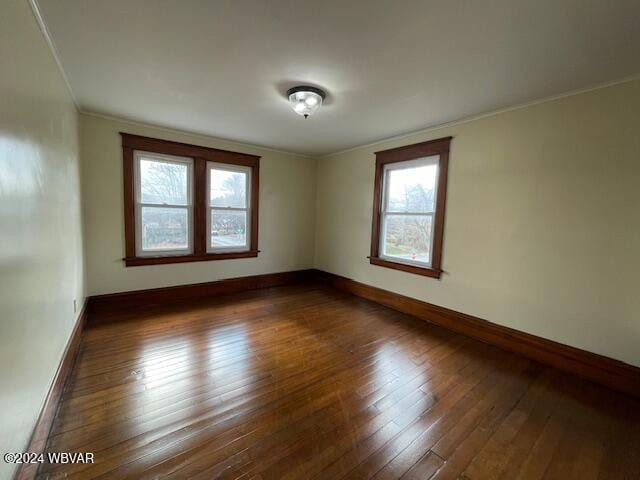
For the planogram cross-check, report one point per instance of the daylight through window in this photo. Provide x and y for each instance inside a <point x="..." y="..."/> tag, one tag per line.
<point x="164" y="204"/>
<point x="228" y="211"/>
<point x="408" y="212"/>
<point x="187" y="203"/>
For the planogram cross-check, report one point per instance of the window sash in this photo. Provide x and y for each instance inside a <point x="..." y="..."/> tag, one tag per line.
<point x="210" y="208"/>
<point x="139" y="205"/>
<point x="420" y="162"/>
<point x="385" y="212"/>
<point x="383" y="237"/>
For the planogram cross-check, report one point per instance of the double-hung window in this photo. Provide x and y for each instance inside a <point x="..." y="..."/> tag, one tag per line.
<point x="164" y="204"/>
<point x="228" y="209"/>
<point x="409" y="200"/>
<point x="408" y="209"/>
<point x="187" y="203"/>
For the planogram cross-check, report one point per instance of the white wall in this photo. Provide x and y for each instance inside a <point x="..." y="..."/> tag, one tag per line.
<point x="542" y="228"/>
<point x="41" y="267"/>
<point x="287" y="212"/>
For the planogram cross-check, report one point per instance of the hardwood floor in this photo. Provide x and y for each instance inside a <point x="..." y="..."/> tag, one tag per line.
<point x="308" y="382"/>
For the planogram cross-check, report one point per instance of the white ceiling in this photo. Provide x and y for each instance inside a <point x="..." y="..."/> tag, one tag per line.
<point x="390" y="67"/>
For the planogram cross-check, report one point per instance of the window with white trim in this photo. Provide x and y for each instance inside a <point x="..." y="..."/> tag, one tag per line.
<point x="228" y="207"/>
<point x="164" y="204"/>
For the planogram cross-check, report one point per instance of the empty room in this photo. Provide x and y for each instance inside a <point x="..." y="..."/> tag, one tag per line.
<point x="271" y="240"/>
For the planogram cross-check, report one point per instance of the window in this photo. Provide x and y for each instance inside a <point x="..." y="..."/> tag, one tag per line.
<point x="186" y="203"/>
<point x="409" y="200"/>
<point x="164" y="200"/>
<point x="228" y="207"/>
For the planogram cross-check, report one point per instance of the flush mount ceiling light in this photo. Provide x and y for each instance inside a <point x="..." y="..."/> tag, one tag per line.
<point x="305" y="100"/>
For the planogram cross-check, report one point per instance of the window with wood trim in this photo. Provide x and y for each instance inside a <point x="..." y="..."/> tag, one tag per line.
<point x="187" y="203"/>
<point x="408" y="207"/>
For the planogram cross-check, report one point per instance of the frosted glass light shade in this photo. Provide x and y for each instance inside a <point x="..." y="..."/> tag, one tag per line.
<point x="305" y="100"/>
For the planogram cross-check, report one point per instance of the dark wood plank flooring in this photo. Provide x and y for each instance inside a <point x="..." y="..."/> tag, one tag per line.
<point x="307" y="382"/>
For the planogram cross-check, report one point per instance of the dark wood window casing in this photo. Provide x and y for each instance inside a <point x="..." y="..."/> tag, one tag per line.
<point x="200" y="155"/>
<point x="438" y="147"/>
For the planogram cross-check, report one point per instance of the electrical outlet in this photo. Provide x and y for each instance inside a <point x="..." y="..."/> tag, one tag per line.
<point x="75" y="305"/>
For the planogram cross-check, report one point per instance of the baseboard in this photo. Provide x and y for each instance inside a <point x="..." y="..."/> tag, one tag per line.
<point x="38" y="440"/>
<point x="101" y="306"/>
<point x="598" y="368"/>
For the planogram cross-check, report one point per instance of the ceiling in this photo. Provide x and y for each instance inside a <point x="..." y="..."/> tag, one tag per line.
<point x="390" y="67"/>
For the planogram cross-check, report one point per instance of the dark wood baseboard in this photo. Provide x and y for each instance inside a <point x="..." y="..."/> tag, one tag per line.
<point x="101" y="306"/>
<point x="38" y="440"/>
<point x="598" y="368"/>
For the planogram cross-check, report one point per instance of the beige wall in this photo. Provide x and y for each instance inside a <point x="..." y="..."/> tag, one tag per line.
<point x="287" y="212"/>
<point x="41" y="268"/>
<point x="542" y="231"/>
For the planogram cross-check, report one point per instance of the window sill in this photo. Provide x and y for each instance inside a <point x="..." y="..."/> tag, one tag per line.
<point x="424" y="271"/>
<point x="140" y="261"/>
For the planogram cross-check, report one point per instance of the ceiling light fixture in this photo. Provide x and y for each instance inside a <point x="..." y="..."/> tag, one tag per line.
<point x="305" y="100"/>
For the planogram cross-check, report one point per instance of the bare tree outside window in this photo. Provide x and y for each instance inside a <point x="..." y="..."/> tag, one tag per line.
<point x="228" y="200"/>
<point x="164" y="192"/>
<point x="187" y="203"/>
<point x="409" y="213"/>
<point x="163" y="183"/>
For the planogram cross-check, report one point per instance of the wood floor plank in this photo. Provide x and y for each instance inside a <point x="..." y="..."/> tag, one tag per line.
<point x="490" y="461"/>
<point x="425" y="468"/>
<point x="303" y="382"/>
<point x="498" y="386"/>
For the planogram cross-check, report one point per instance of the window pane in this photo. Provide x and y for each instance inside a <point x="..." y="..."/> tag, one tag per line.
<point x="163" y="183"/>
<point x="412" y="189"/>
<point x="228" y="229"/>
<point x="408" y="237"/>
<point x="164" y="228"/>
<point x="228" y="189"/>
